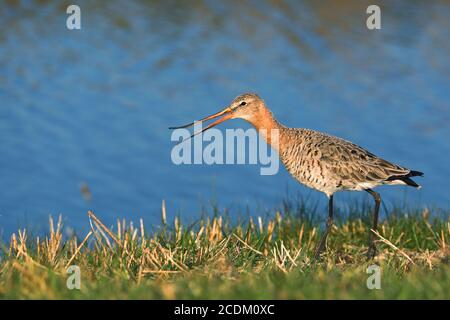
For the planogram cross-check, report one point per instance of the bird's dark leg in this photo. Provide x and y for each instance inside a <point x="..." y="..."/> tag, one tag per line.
<point x="371" y="253"/>
<point x="321" y="245"/>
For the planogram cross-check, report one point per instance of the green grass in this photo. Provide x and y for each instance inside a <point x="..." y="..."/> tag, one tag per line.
<point x="268" y="258"/>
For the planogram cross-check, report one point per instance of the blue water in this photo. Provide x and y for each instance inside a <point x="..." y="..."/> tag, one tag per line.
<point x="92" y="107"/>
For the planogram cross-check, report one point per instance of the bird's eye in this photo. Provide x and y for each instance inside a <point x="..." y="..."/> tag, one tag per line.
<point x="243" y="103"/>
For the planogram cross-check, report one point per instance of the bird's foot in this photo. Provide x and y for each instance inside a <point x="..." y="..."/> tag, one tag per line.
<point x="372" y="252"/>
<point x="319" y="248"/>
<point x="317" y="252"/>
<point x="322" y="243"/>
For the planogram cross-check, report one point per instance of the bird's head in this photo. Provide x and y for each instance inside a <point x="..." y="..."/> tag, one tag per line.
<point x="246" y="106"/>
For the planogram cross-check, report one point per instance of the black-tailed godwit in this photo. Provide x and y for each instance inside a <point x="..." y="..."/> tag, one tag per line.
<point x="318" y="160"/>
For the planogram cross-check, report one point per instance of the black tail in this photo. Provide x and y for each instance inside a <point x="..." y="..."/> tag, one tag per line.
<point x="413" y="173"/>
<point x="406" y="178"/>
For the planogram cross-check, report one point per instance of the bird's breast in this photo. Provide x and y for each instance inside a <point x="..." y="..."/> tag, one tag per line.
<point x="306" y="167"/>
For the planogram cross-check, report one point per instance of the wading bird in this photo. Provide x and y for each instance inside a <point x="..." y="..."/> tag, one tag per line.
<point x="318" y="160"/>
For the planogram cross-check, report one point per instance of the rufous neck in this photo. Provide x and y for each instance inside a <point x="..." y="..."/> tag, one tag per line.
<point x="268" y="127"/>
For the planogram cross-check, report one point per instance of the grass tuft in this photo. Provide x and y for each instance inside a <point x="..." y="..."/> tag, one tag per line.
<point x="263" y="258"/>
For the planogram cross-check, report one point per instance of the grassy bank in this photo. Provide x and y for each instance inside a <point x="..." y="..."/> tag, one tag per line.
<point x="214" y="258"/>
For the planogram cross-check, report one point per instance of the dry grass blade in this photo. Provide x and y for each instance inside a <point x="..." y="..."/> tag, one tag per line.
<point x="247" y="245"/>
<point x="288" y="254"/>
<point x="163" y="212"/>
<point x="78" y="249"/>
<point x="168" y="255"/>
<point x="53" y="243"/>
<point x="102" y="234"/>
<point x="99" y="223"/>
<point x="384" y="240"/>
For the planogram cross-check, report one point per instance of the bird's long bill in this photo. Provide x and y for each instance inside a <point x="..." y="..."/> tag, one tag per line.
<point x="226" y="116"/>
